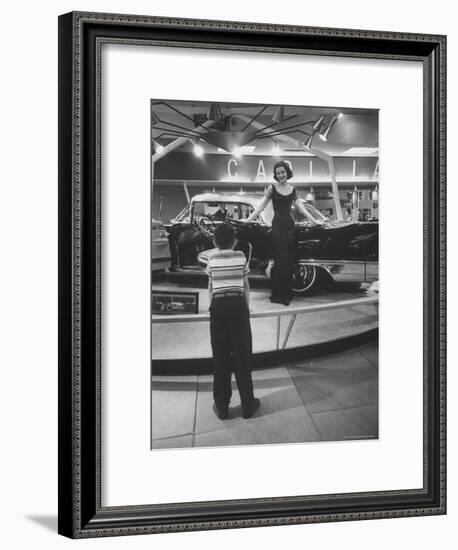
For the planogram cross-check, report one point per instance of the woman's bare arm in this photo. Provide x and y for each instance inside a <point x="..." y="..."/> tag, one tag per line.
<point x="260" y="208"/>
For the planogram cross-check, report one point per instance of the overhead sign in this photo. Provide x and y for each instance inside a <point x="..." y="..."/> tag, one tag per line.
<point x="254" y="168"/>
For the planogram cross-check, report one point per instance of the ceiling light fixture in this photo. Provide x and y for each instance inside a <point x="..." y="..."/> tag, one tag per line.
<point x="276" y="147"/>
<point x="279" y="115"/>
<point x="308" y="143"/>
<point x="318" y="123"/>
<point x="324" y="135"/>
<point x="198" y="149"/>
<point x="215" y="112"/>
<point x="158" y="148"/>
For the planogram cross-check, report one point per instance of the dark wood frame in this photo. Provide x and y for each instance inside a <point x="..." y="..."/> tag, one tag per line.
<point x="80" y="512"/>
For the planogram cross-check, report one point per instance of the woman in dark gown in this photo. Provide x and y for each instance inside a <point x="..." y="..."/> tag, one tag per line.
<point x="283" y="246"/>
<point x="282" y="195"/>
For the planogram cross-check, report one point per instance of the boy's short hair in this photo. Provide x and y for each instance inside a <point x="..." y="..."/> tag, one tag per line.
<point x="224" y="236"/>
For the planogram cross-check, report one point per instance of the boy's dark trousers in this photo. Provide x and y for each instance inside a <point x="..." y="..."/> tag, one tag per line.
<point x="230" y="333"/>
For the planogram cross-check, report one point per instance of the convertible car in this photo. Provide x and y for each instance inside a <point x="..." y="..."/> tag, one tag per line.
<point x="326" y="250"/>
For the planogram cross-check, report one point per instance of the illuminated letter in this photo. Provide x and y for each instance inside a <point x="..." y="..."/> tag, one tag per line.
<point x="261" y="171"/>
<point x="230" y="163"/>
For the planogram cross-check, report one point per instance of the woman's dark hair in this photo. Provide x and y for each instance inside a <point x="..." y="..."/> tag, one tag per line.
<point x="286" y="166"/>
<point x="224" y="236"/>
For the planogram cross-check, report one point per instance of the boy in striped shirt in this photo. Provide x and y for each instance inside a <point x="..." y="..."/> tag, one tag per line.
<point x="230" y="329"/>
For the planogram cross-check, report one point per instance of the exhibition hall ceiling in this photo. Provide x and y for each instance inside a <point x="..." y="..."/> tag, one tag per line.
<point x="259" y="129"/>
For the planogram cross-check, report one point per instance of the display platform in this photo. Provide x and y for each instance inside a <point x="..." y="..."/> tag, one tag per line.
<point x="334" y="319"/>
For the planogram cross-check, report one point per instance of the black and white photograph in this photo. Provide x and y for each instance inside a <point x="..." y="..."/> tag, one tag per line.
<point x="265" y="274"/>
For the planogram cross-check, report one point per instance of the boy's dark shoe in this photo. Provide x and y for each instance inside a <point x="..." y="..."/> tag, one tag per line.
<point x="222" y="414"/>
<point x="249" y="411"/>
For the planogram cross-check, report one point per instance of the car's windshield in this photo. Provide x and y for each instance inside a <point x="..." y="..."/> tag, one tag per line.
<point x="221" y="211"/>
<point x="312" y="211"/>
<point x="183" y="216"/>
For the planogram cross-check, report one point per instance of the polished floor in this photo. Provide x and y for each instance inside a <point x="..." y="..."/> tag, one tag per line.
<point x="329" y="398"/>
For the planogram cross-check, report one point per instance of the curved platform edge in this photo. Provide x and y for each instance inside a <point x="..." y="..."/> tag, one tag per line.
<point x="264" y="360"/>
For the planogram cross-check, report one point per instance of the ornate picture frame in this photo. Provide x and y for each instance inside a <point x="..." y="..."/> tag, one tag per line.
<point x="81" y="510"/>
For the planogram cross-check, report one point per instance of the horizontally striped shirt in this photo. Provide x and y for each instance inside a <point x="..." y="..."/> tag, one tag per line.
<point x="227" y="269"/>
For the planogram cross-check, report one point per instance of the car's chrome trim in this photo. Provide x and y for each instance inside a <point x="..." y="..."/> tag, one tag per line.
<point x="189" y="269"/>
<point x="347" y="270"/>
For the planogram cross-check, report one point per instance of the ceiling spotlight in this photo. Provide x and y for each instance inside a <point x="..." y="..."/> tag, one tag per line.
<point x="237" y="152"/>
<point x="318" y="123"/>
<point x="324" y="135"/>
<point x="279" y="115"/>
<point x="198" y="150"/>
<point x="154" y="119"/>
<point x="308" y="143"/>
<point x="158" y="148"/>
<point x="215" y="112"/>
<point x="276" y="147"/>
